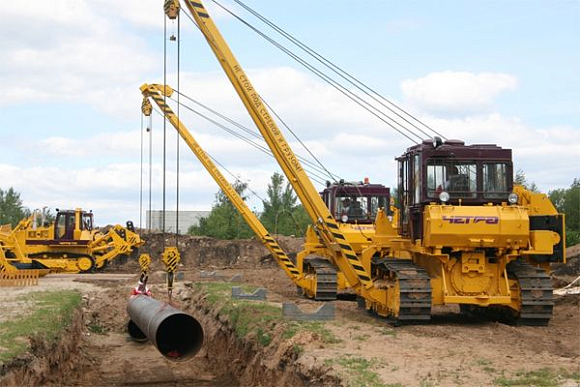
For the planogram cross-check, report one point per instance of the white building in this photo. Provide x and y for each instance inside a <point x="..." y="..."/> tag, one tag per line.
<point x="186" y="220"/>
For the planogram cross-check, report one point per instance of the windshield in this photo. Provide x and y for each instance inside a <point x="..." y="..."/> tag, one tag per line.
<point x="87" y="223"/>
<point x="458" y="178"/>
<point x="495" y="180"/>
<point x="359" y="208"/>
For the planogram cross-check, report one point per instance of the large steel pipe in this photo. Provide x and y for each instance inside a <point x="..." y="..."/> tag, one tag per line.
<point x="174" y="333"/>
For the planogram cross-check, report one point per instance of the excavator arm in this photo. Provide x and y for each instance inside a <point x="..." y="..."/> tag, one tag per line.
<point x="344" y="255"/>
<point x="157" y="93"/>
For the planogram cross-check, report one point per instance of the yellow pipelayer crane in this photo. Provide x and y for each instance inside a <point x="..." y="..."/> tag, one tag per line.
<point x="465" y="234"/>
<point x="157" y="93"/>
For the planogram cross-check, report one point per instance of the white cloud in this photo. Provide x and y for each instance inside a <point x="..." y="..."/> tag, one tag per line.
<point x="547" y="155"/>
<point x="453" y="91"/>
<point x="82" y="52"/>
<point x="63" y="51"/>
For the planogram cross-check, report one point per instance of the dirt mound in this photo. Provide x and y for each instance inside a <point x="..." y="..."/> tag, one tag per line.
<point x="566" y="272"/>
<point x="207" y="253"/>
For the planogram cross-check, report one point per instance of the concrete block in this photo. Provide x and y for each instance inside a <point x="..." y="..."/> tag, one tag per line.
<point x="325" y="312"/>
<point x="208" y="274"/>
<point x="176" y="277"/>
<point x="236" y="278"/>
<point x="258" y="295"/>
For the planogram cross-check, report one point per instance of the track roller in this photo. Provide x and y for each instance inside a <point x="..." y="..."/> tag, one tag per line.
<point x="409" y="290"/>
<point x="325" y="272"/>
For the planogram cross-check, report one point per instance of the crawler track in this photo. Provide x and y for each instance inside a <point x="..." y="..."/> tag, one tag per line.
<point x="415" y="289"/>
<point x="326" y="285"/>
<point x="536" y="295"/>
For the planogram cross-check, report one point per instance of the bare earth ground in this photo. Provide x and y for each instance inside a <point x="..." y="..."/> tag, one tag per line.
<point x="452" y="350"/>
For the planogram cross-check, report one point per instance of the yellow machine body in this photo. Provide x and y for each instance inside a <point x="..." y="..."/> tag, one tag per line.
<point x="68" y="246"/>
<point x="476" y="226"/>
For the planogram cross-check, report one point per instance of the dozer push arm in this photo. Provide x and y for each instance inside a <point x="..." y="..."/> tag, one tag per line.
<point x="117" y="241"/>
<point x="156" y="92"/>
<point x="344" y="255"/>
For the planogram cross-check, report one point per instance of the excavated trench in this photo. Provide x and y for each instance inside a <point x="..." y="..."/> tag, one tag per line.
<point x="96" y="350"/>
<point x="82" y="357"/>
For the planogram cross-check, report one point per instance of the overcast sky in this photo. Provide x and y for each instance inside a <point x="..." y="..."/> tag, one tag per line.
<point x="482" y="71"/>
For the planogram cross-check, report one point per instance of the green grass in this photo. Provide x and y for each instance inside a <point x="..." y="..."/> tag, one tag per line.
<point x="298" y="349"/>
<point x="363" y="337"/>
<point x="388" y="332"/>
<point x="52" y="311"/>
<point x="258" y="319"/>
<point x="217" y="291"/>
<point x="544" y="377"/>
<point x="483" y="362"/>
<point x="359" y="371"/>
<point x="316" y="327"/>
<point x="96" y="328"/>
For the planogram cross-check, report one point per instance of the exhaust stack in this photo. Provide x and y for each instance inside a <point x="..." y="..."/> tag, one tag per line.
<point x="177" y="335"/>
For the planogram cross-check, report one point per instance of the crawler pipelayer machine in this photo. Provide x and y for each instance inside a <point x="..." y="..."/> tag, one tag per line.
<point x="464" y="234"/>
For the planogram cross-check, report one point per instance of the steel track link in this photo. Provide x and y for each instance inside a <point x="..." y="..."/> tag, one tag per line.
<point x="536" y="294"/>
<point x="326" y="283"/>
<point x="415" y="289"/>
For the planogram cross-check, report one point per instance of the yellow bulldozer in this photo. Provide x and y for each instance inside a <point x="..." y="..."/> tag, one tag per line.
<point x="70" y="244"/>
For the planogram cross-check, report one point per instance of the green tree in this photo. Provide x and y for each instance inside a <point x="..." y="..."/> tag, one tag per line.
<point x="522" y="180"/>
<point x="281" y="214"/>
<point x="11" y="209"/>
<point x="224" y="220"/>
<point x="568" y="202"/>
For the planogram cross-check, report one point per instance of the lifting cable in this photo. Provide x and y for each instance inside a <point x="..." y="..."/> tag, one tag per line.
<point x="177" y="140"/>
<point x="164" y="125"/>
<point x="367" y="90"/>
<point x="331" y="175"/>
<point x="150" y="227"/>
<point x="322" y="166"/>
<point x="333" y="83"/>
<point x="261" y="147"/>
<point x="141" y="183"/>
<point x="236" y="178"/>
<point x="251" y="132"/>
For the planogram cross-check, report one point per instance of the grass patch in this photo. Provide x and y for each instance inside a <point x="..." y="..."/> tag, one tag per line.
<point x="96" y="329"/>
<point x="52" y="311"/>
<point x="361" y="337"/>
<point x="359" y="371"/>
<point x="483" y="362"/>
<point x="298" y="349"/>
<point x="258" y="318"/>
<point x="316" y="327"/>
<point x="388" y="332"/>
<point x="218" y="291"/>
<point x="544" y="377"/>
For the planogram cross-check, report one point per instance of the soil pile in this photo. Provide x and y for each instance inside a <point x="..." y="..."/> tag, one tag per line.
<point x="209" y="253"/>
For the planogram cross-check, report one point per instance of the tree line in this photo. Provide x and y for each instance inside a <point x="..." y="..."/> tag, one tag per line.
<point x="12" y="210"/>
<point x="282" y="214"/>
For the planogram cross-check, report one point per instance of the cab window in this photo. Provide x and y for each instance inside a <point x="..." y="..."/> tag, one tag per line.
<point x="459" y="179"/>
<point x="495" y="180"/>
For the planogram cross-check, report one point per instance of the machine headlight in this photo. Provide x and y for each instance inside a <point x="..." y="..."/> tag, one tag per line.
<point x="344" y="219"/>
<point x="513" y="198"/>
<point x="444" y="196"/>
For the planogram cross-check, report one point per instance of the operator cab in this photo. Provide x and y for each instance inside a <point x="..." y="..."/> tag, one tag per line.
<point x="65" y="223"/>
<point x="450" y="172"/>
<point x="355" y="202"/>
